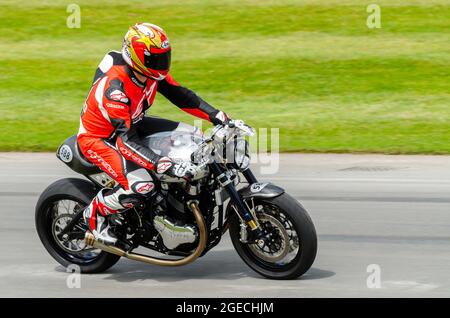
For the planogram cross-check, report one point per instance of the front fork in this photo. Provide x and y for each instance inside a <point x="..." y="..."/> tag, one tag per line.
<point x="249" y="176"/>
<point x="242" y="209"/>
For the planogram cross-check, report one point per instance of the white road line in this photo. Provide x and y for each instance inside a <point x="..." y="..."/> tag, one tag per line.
<point x="388" y="180"/>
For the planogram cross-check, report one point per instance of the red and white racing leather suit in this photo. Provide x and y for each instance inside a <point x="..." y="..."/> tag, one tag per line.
<point x="112" y="124"/>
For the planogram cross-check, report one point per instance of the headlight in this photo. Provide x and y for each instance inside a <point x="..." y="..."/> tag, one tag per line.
<point x="241" y="154"/>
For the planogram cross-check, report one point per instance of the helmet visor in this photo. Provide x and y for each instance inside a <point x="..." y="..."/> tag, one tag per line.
<point x="159" y="62"/>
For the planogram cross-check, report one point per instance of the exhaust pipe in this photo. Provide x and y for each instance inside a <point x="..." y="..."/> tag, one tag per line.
<point x="91" y="241"/>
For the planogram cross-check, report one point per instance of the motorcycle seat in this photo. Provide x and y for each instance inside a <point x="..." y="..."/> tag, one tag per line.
<point x="69" y="153"/>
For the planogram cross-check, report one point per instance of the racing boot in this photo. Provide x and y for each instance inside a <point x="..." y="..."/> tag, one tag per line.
<point x="95" y="218"/>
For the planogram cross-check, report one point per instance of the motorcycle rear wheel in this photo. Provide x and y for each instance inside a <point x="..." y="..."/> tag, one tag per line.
<point x="282" y="210"/>
<point x="73" y="195"/>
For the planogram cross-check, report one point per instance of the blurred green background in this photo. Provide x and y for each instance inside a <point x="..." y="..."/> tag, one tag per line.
<point x="311" y="68"/>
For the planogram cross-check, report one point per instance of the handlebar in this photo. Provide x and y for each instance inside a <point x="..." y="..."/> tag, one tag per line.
<point x="226" y="130"/>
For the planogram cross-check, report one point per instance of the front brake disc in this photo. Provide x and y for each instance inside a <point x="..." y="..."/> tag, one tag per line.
<point x="282" y="251"/>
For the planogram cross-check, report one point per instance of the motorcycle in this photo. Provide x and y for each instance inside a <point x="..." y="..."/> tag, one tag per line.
<point x="183" y="218"/>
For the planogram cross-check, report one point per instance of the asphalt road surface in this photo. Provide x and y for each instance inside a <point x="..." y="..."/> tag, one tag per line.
<point x="373" y="214"/>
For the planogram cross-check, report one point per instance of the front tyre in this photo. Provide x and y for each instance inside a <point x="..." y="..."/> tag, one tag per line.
<point x="56" y="207"/>
<point x="292" y="246"/>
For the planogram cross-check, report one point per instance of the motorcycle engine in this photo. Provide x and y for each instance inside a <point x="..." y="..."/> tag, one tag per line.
<point x="173" y="221"/>
<point x="174" y="235"/>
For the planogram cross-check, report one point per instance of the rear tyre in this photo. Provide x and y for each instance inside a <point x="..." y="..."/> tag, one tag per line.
<point x="294" y="246"/>
<point x="56" y="206"/>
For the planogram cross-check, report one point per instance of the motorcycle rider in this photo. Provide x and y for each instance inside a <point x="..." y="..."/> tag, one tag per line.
<point x="113" y="124"/>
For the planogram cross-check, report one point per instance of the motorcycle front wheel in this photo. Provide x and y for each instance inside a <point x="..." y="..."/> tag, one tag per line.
<point x="292" y="245"/>
<point x="56" y="207"/>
